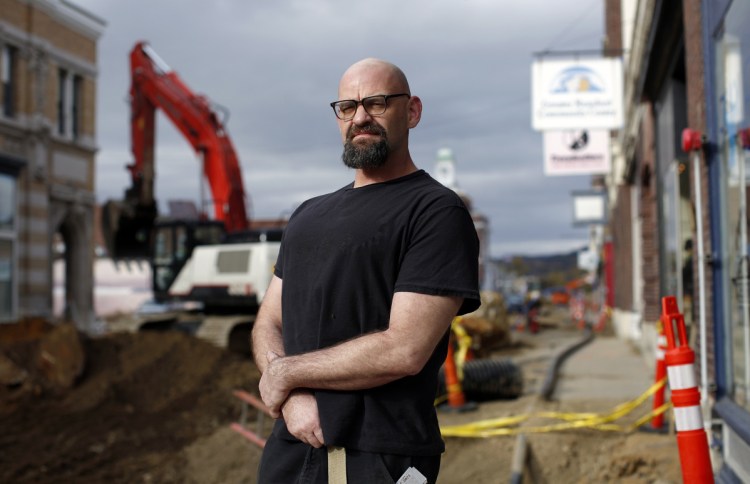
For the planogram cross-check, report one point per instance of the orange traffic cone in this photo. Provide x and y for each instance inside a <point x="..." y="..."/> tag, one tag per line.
<point x="456" y="398"/>
<point x="577" y="312"/>
<point x="692" y="441"/>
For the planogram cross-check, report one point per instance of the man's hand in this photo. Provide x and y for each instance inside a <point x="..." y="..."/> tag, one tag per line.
<point x="300" y="413"/>
<point x="272" y="387"/>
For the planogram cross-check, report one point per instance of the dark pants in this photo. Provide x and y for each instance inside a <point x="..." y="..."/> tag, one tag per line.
<point x="289" y="462"/>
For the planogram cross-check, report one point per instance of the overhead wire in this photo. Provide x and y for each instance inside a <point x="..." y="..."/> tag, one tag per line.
<point x="491" y="109"/>
<point x="561" y="35"/>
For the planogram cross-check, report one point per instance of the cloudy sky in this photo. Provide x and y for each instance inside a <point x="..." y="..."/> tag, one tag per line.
<point x="275" y="66"/>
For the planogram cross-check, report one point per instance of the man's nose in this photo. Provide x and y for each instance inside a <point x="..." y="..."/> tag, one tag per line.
<point x="361" y="115"/>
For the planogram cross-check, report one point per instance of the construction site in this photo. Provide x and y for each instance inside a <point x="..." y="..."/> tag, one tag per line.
<point x="126" y="314"/>
<point x="158" y="407"/>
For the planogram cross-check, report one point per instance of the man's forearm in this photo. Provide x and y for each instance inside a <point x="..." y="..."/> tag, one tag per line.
<point x="266" y="338"/>
<point x="367" y="361"/>
<point x="266" y="334"/>
<point x="417" y="324"/>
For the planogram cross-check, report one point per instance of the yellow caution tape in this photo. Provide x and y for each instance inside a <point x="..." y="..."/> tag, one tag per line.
<point x="464" y="343"/>
<point x="603" y="422"/>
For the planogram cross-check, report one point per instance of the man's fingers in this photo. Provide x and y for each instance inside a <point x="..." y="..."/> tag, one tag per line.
<point x="315" y="439"/>
<point x="315" y="442"/>
<point x="275" y="412"/>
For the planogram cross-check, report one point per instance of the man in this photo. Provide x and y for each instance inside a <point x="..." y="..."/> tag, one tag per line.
<point x="372" y="276"/>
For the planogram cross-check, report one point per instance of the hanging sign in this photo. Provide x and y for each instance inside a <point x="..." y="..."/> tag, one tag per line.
<point x="577" y="94"/>
<point x="589" y="207"/>
<point x="576" y="152"/>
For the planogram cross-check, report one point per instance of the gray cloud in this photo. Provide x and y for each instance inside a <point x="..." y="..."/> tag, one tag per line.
<point x="276" y="65"/>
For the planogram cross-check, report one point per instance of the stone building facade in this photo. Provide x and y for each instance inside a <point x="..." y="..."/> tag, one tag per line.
<point x="48" y="71"/>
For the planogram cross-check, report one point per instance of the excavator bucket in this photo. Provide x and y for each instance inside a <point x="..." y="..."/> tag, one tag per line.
<point x="127" y="228"/>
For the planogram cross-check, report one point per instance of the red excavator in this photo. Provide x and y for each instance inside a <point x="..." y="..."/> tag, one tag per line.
<point x="155" y="86"/>
<point x="191" y="259"/>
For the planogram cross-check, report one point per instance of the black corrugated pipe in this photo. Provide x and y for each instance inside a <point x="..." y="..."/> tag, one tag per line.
<point x="548" y="388"/>
<point x="550" y="381"/>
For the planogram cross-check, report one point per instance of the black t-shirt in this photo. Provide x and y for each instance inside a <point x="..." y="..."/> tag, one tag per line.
<point x="342" y="258"/>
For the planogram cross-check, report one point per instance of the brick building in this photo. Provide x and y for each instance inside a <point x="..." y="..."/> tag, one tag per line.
<point x="679" y="220"/>
<point x="48" y="71"/>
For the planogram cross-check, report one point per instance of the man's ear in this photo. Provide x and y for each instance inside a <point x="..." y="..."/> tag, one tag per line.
<point x="415" y="111"/>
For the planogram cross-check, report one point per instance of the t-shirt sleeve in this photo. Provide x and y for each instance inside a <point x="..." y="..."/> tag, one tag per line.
<point x="442" y="258"/>
<point x="278" y="268"/>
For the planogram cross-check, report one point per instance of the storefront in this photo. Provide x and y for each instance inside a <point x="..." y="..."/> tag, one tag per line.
<point x="728" y="54"/>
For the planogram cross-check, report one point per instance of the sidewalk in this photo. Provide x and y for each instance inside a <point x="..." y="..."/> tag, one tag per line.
<point x="606" y="368"/>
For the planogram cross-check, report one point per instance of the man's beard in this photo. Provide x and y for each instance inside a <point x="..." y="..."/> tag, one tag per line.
<point x="369" y="156"/>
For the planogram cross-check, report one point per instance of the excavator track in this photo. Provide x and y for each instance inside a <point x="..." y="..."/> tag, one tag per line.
<point x="133" y="323"/>
<point x="231" y="332"/>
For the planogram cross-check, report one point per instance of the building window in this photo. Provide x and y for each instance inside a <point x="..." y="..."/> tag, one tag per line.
<point x="7" y="241"/>
<point x="62" y="101"/>
<point x="732" y="75"/>
<point x="75" y="109"/>
<point x="69" y="104"/>
<point x="7" y="203"/>
<point x="8" y="80"/>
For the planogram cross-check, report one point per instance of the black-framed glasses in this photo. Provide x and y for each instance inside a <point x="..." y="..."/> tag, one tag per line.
<point x="374" y="105"/>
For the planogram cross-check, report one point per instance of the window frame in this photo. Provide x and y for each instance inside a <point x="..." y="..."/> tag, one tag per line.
<point x="62" y="101"/>
<point x="70" y="104"/>
<point x="10" y="235"/>
<point x="8" y="79"/>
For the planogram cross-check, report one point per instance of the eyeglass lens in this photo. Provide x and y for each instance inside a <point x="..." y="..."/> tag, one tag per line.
<point x="374" y="105"/>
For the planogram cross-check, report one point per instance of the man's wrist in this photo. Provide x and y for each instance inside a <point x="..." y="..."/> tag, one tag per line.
<point x="282" y="374"/>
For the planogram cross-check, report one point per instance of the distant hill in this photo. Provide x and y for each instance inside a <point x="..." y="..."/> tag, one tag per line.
<point x="552" y="269"/>
<point x="544" y="264"/>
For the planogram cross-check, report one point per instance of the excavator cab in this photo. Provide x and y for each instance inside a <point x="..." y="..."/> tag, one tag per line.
<point x="173" y="244"/>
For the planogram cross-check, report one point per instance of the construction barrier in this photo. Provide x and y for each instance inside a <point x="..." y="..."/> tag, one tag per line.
<point x="578" y="311"/>
<point x="241" y="426"/>
<point x="692" y="440"/>
<point x="657" y="423"/>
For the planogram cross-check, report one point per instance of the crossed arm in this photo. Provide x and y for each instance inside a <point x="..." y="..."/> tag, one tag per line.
<point x="416" y="325"/>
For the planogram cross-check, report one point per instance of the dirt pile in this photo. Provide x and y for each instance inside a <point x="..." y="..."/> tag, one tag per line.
<point x="155" y="407"/>
<point x="142" y="401"/>
<point x="37" y="357"/>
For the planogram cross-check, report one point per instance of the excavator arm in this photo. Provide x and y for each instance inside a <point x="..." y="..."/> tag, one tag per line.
<point x="127" y="224"/>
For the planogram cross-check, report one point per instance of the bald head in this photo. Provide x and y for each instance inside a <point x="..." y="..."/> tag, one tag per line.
<point x="370" y="72"/>
<point x="380" y="111"/>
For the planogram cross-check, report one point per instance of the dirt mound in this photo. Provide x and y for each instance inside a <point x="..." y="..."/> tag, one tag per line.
<point x="140" y="401"/>
<point x="155" y="407"/>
